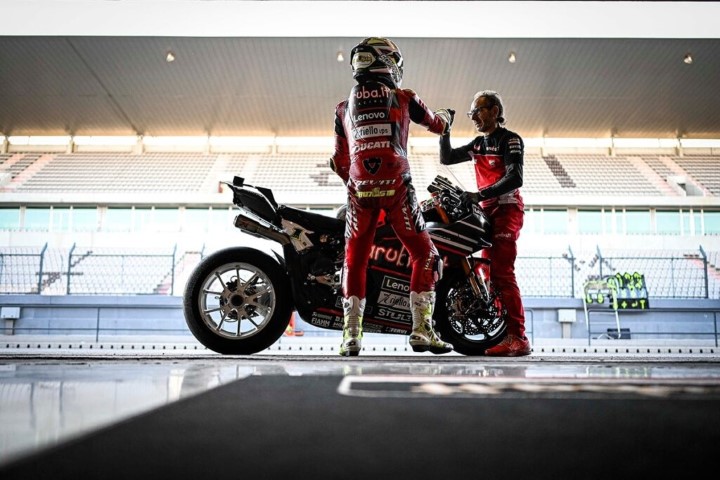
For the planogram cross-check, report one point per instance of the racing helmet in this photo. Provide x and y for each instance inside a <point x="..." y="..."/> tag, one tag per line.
<point x="377" y="55"/>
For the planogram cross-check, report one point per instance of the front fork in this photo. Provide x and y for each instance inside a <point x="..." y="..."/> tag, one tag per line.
<point x="478" y="274"/>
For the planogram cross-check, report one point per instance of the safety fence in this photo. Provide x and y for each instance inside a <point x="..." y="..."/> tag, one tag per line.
<point x="146" y="271"/>
<point x="90" y="271"/>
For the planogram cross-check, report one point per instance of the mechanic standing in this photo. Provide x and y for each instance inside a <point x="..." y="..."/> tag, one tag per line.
<point x="497" y="154"/>
<point x="371" y="132"/>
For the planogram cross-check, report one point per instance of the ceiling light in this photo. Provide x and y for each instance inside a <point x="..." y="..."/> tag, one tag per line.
<point x="578" y="142"/>
<point x="105" y="140"/>
<point x="512" y="58"/>
<point x="38" y="140"/>
<point x="688" y="58"/>
<point x="241" y="141"/>
<point x="340" y="57"/>
<point x="170" y="57"/>
<point x="699" y="143"/>
<point x="645" y="142"/>
<point x="325" y="142"/>
<point x="163" y="141"/>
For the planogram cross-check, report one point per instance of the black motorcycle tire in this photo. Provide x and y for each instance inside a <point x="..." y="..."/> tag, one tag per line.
<point x="465" y="345"/>
<point x="211" y="305"/>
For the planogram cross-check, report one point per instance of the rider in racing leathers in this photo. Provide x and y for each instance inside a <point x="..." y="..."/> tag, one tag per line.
<point x="371" y="132"/>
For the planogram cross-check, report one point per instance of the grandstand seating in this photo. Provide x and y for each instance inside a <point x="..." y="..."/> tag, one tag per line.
<point x="595" y="174"/>
<point x="705" y="169"/>
<point x="659" y="166"/>
<point x="121" y="172"/>
<point x="20" y="163"/>
<point x="302" y="174"/>
<point x="291" y="171"/>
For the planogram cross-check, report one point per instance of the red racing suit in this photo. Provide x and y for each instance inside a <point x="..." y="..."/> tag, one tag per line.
<point x="371" y="132"/>
<point x="498" y="161"/>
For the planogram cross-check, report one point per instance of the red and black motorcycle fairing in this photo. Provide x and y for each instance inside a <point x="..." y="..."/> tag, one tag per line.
<point x="255" y="308"/>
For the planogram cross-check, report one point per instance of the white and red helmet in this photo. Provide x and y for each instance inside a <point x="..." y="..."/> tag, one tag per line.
<point x="377" y="55"/>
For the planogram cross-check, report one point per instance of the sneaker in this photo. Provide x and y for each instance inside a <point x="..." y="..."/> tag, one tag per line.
<point x="511" y="346"/>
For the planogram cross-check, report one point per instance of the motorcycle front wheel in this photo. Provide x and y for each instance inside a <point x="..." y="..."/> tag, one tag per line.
<point x="470" y="324"/>
<point x="238" y="301"/>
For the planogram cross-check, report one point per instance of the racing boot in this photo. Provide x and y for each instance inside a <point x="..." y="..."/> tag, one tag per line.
<point x="353" y="309"/>
<point x="423" y="338"/>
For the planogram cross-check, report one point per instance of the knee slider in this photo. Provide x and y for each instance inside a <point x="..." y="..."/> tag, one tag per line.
<point x="437" y="267"/>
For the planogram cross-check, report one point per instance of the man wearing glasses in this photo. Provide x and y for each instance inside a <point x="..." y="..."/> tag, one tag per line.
<point x="497" y="154"/>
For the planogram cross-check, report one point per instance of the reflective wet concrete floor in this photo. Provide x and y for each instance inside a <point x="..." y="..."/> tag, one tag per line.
<point x="49" y="398"/>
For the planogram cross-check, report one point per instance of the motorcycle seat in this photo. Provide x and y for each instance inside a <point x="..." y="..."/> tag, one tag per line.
<point x="317" y="220"/>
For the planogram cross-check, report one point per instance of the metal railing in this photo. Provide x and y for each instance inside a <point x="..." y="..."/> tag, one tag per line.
<point x="637" y="327"/>
<point x="106" y="271"/>
<point x="88" y="271"/>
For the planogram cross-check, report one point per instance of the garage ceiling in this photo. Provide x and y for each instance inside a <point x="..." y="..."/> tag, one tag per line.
<point x="289" y="86"/>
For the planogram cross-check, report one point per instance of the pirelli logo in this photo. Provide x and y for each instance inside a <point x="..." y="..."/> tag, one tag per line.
<point x="375" y="192"/>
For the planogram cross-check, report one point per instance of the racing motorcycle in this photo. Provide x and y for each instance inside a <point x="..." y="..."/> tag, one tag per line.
<point x="240" y="300"/>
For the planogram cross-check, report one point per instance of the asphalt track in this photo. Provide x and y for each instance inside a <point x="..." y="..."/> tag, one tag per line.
<point x="141" y="411"/>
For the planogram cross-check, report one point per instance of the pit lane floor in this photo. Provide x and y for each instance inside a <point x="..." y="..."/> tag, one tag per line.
<point x="55" y="389"/>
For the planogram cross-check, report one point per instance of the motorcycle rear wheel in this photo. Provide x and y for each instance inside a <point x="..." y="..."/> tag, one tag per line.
<point x="470" y="324"/>
<point x="238" y="301"/>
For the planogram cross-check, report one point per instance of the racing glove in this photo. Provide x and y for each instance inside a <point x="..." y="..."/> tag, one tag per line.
<point x="447" y="115"/>
<point x="469" y="199"/>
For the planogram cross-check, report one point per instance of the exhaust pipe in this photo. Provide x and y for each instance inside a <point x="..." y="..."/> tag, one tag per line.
<point x="257" y="229"/>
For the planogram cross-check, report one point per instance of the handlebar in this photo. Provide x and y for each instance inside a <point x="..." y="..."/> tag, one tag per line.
<point x="445" y="200"/>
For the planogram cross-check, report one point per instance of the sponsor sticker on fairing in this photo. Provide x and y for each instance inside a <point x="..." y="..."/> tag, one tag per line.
<point x="386" y="256"/>
<point x="393" y="315"/>
<point x="392" y="300"/>
<point x="396" y="285"/>
<point x="395" y="330"/>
